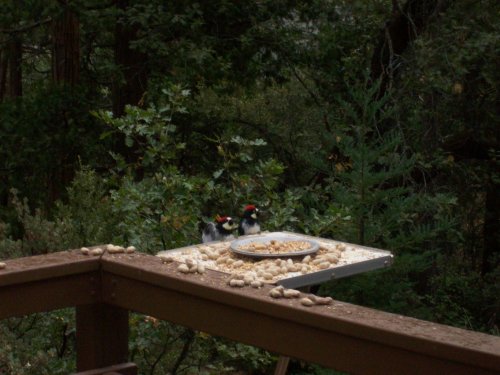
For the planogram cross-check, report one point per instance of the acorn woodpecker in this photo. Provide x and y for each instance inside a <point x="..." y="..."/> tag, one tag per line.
<point x="220" y="230"/>
<point x="249" y="224"/>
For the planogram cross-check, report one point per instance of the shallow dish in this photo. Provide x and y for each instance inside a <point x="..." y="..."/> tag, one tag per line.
<point x="266" y="239"/>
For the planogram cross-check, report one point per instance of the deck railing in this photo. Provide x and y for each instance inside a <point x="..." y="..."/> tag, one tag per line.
<point x="342" y="336"/>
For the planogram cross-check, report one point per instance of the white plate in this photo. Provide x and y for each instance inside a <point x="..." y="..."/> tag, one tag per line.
<point x="283" y="237"/>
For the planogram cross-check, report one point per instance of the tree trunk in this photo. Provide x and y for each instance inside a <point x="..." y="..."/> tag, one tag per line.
<point x="405" y="25"/>
<point x="491" y="228"/>
<point x="131" y="84"/>
<point x="4" y="64"/>
<point x="15" y="69"/>
<point x="11" y="73"/>
<point x="66" y="48"/>
<point x="132" y="63"/>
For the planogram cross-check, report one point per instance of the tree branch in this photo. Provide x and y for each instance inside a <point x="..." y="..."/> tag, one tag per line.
<point x="24" y="28"/>
<point x="185" y="350"/>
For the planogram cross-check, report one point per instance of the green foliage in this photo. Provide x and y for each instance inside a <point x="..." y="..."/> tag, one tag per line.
<point x="32" y="233"/>
<point x="41" y="344"/>
<point x="149" y="131"/>
<point x="160" y="347"/>
<point x="45" y="135"/>
<point x="166" y="206"/>
<point x="267" y="103"/>
<point x="88" y="211"/>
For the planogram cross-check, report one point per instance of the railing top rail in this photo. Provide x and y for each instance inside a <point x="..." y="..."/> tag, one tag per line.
<point x="47" y="266"/>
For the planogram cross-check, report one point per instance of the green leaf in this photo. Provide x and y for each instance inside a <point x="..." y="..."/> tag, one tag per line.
<point x="217" y="173"/>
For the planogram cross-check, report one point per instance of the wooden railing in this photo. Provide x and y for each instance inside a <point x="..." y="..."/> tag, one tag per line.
<point x="342" y="336"/>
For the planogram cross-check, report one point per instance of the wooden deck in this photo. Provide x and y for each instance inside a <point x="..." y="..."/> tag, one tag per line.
<point x="342" y="336"/>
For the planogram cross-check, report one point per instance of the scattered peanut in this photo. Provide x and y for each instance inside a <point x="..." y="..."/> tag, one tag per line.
<point x="167" y="258"/>
<point x="236" y="283"/>
<point x="275" y="293"/>
<point x="96" y="251"/>
<point x="291" y="293"/>
<point x="85" y="250"/>
<point x="203" y="249"/>
<point x="2" y="265"/>
<point x="317" y="261"/>
<point x="238" y="263"/>
<point x="112" y="249"/>
<point x="130" y="249"/>
<point x="256" y="284"/>
<point x="248" y="279"/>
<point x="183" y="268"/>
<point x="321" y="300"/>
<point x="274" y="271"/>
<point x="267" y="276"/>
<point x="323" y="265"/>
<point x="221" y="260"/>
<point x="291" y="268"/>
<point x="201" y="268"/>
<point x="306" y="302"/>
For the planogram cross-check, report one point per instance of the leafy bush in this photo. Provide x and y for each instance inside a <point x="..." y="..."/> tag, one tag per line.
<point x="41" y="344"/>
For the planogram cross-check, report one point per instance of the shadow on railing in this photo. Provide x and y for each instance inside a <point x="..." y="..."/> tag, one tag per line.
<point x="342" y="336"/>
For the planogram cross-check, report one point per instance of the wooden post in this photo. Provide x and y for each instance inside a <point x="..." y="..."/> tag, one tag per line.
<point x="101" y="336"/>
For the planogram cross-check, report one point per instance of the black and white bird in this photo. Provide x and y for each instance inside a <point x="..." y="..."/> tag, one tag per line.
<point x="249" y="224"/>
<point x="220" y="230"/>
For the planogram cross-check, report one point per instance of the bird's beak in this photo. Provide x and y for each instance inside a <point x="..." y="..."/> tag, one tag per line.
<point x="253" y="216"/>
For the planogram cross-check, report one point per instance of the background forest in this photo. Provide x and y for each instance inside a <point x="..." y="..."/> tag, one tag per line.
<point x="134" y="122"/>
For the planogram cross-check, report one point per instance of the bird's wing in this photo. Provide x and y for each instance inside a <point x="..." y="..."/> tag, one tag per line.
<point x="241" y="231"/>
<point x="209" y="233"/>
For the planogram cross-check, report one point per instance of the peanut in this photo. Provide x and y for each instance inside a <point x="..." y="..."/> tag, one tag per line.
<point x="130" y="249"/>
<point x="256" y="284"/>
<point x="323" y="265"/>
<point x="322" y="300"/>
<point x="275" y="293"/>
<point x="291" y="293"/>
<point x="238" y="263"/>
<point x="201" y="268"/>
<point x="96" y="251"/>
<point x="236" y="283"/>
<point x="183" y="268"/>
<point x="306" y="302"/>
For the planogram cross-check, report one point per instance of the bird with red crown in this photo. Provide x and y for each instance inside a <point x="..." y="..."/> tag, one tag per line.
<point x="219" y="230"/>
<point x="249" y="224"/>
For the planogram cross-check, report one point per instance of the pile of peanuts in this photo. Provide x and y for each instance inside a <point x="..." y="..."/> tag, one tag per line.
<point x="110" y="248"/>
<point x="219" y="257"/>
<point x="309" y="300"/>
<point x="275" y="247"/>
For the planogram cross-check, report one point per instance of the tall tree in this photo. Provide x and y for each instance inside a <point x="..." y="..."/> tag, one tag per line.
<point x="406" y="23"/>
<point x="130" y="88"/>
<point x="66" y="46"/>
<point x="4" y="63"/>
<point x="11" y="73"/>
